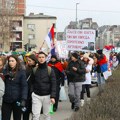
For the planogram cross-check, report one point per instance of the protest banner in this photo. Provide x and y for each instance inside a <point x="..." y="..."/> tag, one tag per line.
<point x="80" y="39"/>
<point x="61" y="47"/>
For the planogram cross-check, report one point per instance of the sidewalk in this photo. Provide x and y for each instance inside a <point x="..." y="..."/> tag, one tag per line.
<point x="64" y="111"/>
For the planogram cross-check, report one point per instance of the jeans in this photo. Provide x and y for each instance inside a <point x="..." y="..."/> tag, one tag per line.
<point x="100" y="79"/>
<point x="101" y="82"/>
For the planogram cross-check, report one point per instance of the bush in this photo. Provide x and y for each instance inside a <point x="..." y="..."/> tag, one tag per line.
<point x="106" y="106"/>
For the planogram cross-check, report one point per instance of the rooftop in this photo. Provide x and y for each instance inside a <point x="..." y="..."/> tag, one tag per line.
<point x="40" y="16"/>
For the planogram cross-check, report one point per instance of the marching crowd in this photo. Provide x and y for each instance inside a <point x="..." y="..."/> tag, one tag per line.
<point x="31" y="84"/>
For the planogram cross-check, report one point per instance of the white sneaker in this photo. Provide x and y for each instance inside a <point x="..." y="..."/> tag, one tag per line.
<point x="82" y="102"/>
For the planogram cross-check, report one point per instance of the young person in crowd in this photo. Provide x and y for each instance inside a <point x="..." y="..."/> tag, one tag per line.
<point x="101" y="60"/>
<point x="16" y="89"/>
<point x="44" y="88"/>
<point x="76" y="75"/>
<point x="31" y="64"/>
<point x="86" y="85"/>
<point x="59" y="73"/>
<point x="2" y="86"/>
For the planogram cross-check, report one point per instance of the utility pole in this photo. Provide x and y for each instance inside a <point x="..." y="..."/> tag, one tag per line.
<point x="76" y="13"/>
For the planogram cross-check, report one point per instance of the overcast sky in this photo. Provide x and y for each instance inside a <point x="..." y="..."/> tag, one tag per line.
<point x="104" y="12"/>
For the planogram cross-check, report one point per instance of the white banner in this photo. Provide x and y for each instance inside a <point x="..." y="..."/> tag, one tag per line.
<point x="80" y="39"/>
<point x="62" y="49"/>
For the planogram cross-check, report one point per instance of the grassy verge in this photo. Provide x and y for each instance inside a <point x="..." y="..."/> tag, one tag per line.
<point x="106" y="106"/>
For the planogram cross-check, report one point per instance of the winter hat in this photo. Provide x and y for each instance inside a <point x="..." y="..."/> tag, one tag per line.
<point x="86" y="55"/>
<point x="54" y="56"/>
<point x="33" y="57"/>
<point x="100" y="51"/>
<point x="75" y="55"/>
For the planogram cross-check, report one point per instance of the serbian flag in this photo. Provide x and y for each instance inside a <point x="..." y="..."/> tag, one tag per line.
<point x="50" y="40"/>
<point x="103" y="64"/>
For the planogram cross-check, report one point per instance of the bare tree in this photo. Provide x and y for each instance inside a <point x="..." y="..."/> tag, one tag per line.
<point x="8" y="10"/>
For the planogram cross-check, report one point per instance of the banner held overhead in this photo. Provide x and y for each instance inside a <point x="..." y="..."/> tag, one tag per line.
<point x="80" y="39"/>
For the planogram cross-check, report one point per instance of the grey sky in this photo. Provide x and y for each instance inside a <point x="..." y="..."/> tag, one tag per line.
<point x="104" y="12"/>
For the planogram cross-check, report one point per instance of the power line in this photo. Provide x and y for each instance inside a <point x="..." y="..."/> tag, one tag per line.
<point x="73" y="9"/>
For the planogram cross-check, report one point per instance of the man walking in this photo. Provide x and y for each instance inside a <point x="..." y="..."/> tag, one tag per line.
<point x="44" y="88"/>
<point x="76" y="75"/>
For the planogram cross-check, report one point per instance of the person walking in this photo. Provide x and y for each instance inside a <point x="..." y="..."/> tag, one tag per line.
<point x="101" y="60"/>
<point x="2" y="85"/>
<point x="31" y="64"/>
<point x="16" y="89"/>
<point x="86" y="85"/>
<point x="44" y="88"/>
<point x="76" y="76"/>
<point x="59" y="73"/>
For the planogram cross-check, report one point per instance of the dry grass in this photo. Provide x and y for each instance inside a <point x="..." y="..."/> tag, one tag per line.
<point x="106" y="106"/>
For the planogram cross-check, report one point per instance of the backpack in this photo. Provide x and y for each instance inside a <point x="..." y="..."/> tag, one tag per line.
<point x="48" y="67"/>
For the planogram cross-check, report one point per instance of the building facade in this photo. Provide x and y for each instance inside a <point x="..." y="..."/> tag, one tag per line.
<point x="11" y="24"/>
<point x="36" y="28"/>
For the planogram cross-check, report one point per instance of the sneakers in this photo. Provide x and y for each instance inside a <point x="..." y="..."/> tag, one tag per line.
<point x="82" y="102"/>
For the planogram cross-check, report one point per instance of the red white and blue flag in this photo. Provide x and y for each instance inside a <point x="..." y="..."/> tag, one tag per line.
<point x="50" y="40"/>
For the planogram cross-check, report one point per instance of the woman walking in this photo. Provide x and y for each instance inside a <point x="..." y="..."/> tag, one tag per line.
<point x="15" y="89"/>
<point x="86" y="85"/>
<point x="32" y="63"/>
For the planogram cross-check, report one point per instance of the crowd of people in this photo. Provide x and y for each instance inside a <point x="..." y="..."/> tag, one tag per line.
<point x="30" y="84"/>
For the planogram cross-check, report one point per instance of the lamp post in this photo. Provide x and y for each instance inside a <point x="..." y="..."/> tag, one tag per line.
<point x="76" y="13"/>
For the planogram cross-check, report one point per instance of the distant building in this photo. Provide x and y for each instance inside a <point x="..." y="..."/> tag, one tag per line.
<point x="36" y="28"/>
<point x="16" y="6"/>
<point x="14" y="11"/>
<point x="108" y="35"/>
<point x="60" y="36"/>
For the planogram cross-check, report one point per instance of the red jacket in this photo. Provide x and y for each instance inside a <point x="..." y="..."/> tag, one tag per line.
<point x="102" y="61"/>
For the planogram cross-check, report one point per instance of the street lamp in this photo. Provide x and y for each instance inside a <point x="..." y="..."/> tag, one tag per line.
<point x="76" y="14"/>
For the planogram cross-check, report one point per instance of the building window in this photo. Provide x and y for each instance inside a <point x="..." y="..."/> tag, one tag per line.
<point x="18" y="36"/>
<point x="1" y="45"/>
<point x="31" y="26"/>
<point x="31" y="36"/>
<point x="16" y="24"/>
<point x="16" y="45"/>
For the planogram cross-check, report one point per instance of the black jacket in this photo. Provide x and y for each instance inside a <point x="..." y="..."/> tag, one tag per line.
<point x="44" y="84"/>
<point x="59" y="75"/>
<point x="76" y="76"/>
<point x="16" y="88"/>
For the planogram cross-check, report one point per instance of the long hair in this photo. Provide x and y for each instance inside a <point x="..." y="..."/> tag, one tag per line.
<point x="18" y="65"/>
<point x="3" y="60"/>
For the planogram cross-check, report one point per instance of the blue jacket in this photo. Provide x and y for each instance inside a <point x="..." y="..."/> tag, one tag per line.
<point x="16" y="88"/>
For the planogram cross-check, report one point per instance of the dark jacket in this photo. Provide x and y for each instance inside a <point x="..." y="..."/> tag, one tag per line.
<point x="44" y="84"/>
<point x="59" y="73"/>
<point x="16" y="88"/>
<point x="76" y="76"/>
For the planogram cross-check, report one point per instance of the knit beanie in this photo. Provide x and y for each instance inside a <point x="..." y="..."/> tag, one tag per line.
<point x="54" y="56"/>
<point x="100" y="51"/>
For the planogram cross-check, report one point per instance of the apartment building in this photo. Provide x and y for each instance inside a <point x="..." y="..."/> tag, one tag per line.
<point x="36" y="28"/>
<point x="11" y="30"/>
